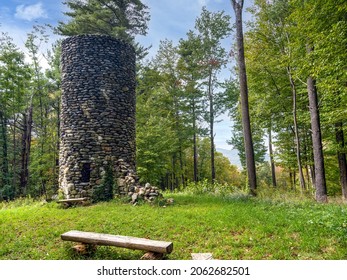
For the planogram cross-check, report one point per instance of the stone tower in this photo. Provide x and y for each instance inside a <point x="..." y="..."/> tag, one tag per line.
<point x="97" y="110"/>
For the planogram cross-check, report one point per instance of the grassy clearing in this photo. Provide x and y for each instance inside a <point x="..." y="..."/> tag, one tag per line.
<point x="236" y="227"/>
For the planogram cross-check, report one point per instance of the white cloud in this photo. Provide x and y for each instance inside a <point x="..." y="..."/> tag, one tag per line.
<point x="203" y="2"/>
<point x="30" y="12"/>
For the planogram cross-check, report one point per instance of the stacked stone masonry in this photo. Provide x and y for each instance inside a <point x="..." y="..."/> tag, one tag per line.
<point x="129" y="185"/>
<point x="97" y="111"/>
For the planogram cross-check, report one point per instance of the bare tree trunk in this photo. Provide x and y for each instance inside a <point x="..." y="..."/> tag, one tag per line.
<point x="272" y="161"/>
<point x="341" y="156"/>
<point x="26" y="145"/>
<point x="246" y="124"/>
<point x="291" y="179"/>
<point x="210" y="95"/>
<point x="296" y="131"/>
<point x="313" y="176"/>
<point x="5" y="168"/>
<point x="307" y="169"/>
<point x="307" y="145"/>
<point x="321" y="189"/>
<point x="195" y="148"/>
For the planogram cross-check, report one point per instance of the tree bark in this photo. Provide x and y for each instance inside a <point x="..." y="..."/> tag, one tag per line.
<point x="195" y="148"/>
<point x="341" y="156"/>
<point x="26" y="145"/>
<point x="296" y="130"/>
<point x="313" y="176"/>
<point x="210" y="95"/>
<point x="272" y="161"/>
<point x="318" y="158"/>
<point x="5" y="169"/>
<point x="246" y="124"/>
<point x="14" y="157"/>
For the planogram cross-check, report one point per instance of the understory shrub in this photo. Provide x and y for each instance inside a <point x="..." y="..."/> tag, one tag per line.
<point x="205" y="187"/>
<point x="104" y="191"/>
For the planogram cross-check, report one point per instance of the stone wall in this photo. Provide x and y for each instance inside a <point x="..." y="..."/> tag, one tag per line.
<point x="97" y="110"/>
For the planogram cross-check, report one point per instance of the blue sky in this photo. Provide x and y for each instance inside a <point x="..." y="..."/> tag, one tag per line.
<point x="170" y="19"/>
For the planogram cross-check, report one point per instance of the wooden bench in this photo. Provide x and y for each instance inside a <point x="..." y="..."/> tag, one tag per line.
<point x="202" y="256"/>
<point x="155" y="249"/>
<point x="73" y="201"/>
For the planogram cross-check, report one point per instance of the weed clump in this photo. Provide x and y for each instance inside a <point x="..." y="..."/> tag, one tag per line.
<point x="105" y="191"/>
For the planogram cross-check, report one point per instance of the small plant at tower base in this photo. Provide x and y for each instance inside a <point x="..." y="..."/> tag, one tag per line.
<point x="104" y="191"/>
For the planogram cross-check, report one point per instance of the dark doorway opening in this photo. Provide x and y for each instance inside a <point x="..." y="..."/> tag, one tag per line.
<point x="85" y="173"/>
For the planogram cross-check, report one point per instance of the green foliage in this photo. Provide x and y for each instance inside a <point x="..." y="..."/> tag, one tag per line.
<point x="178" y="94"/>
<point x="105" y="191"/>
<point x="14" y="81"/>
<point x="45" y="101"/>
<point x="226" y="173"/>
<point x="118" y="18"/>
<point x="205" y="187"/>
<point x="121" y="19"/>
<point x="7" y="193"/>
<point x="276" y="50"/>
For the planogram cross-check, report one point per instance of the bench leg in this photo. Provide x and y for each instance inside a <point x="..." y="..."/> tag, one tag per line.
<point x="152" y="256"/>
<point x="84" y="248"/>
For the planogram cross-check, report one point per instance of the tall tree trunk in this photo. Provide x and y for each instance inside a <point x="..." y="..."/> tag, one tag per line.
<point x="272" y="161"/>
<point x="181" y="165"/>
<point x="195" y="148"/>
<point x="307" y="152"/>
<point x="296" y="130"/>
<point x="210" y="96"/>
<point x="341" y="156"/>
<point x="307" y="169"/>
<point x="313" y="176"/>
<point x="246" y="124"/>
<point x="321" y="189"/>
<point x="5" y="169"/>
<point x="14" y="155"/>
<point x="26" y="145"/>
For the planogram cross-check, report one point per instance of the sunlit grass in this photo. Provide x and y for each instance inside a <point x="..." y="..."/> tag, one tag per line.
<point x="230" y="227"/>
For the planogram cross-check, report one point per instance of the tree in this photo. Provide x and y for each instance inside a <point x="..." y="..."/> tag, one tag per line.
<point x="190" y="72"/>
<point x="123" y="19"/>
<point x="303" y="16"/>
<point x="212" y="29"/>
<point x="237" y="139"/>
<point x="288" y="47"/>
<point x="14" y="77"/>
<point x="226" y="173"/>
<point x="53" y="76"/>
<point x="246" y="124"/>
<point x="320" y="183"/>
<point x="166" y="61"/>
<point x="156" y="138"/>
<point x="278" y="94"/>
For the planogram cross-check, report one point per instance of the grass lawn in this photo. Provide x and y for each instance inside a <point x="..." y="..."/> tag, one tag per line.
<point x="231" y="228"/>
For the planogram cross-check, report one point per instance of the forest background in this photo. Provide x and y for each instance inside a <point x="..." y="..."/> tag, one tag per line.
<point x="294" y="51"/>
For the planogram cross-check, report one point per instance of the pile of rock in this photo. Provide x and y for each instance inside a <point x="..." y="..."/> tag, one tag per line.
<point x="126" y="177"/>
<point x="128" y="184"/>
<point x="147" y="193"/>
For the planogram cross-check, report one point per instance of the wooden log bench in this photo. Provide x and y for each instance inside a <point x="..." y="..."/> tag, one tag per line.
<point x="155" y="249"/>
<point x="202" y="256"/>
<point x="73" y="201"/>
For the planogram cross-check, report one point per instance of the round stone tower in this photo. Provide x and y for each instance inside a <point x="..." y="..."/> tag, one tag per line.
<point x="97" y="111"/>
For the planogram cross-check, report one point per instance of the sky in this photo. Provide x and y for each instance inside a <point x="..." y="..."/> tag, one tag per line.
<point x="170" y="19"/>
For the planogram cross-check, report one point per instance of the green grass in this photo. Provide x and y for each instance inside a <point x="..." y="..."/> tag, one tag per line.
<point x="231" y="228"/>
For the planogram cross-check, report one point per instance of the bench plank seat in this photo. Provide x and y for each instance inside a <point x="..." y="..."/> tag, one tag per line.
<point x="202" y="256"/>
<point x="118" y="241"/>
